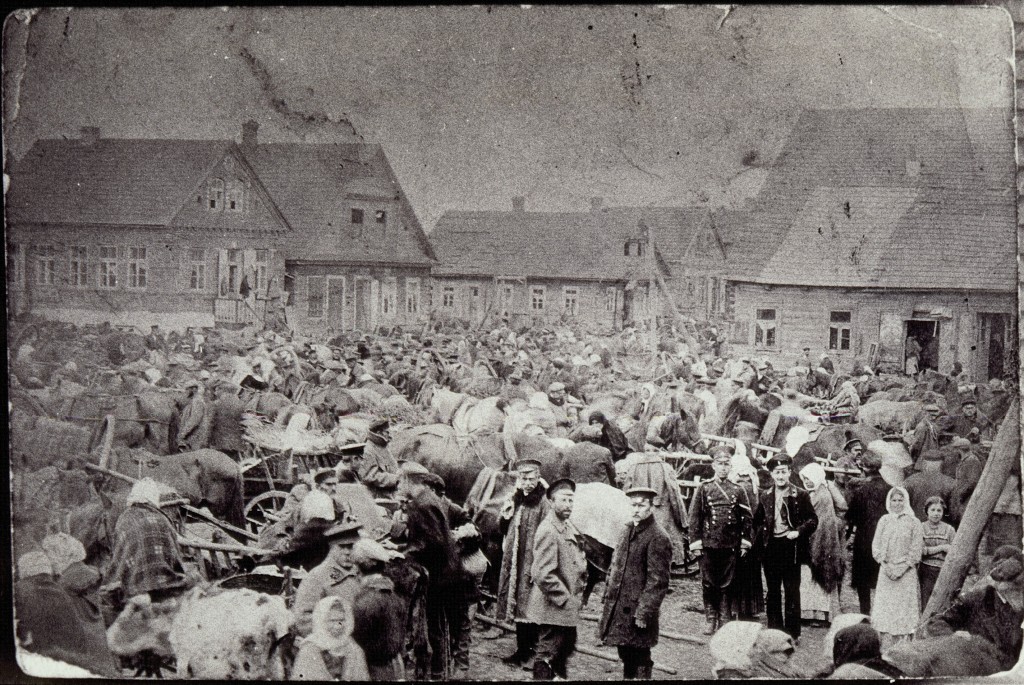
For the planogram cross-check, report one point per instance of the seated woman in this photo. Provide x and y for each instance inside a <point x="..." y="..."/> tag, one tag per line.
<point x="857" y="654"/>
<point x="329" y="652"/>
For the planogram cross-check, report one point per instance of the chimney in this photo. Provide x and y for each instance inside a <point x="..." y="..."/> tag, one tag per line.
<point x="595" y="203"/>
<point x="913" y="168"/>
<point x="90" y="134"/>
<point x="249" y="133"/>
<point x="519" y="203"/>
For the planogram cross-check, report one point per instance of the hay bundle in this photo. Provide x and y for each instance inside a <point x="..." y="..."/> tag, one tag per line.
<point x="278" y="439"/>
<point x="49" y="442"/>
<point x="397" y="409"/>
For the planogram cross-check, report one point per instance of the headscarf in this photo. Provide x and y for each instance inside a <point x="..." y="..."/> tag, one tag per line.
<point x="797" y="437"/>
<point x="815" y="473"/>
<point x="34" y="564"/>
<point x="828" y="563"/>
<point x="145" y="491"/>
<point x="857" y="643"/>
<point x="62" y="550"/>
<point x="317" y="504"/>
<point x="906" y="501"/>
<point x="322" y="634"/>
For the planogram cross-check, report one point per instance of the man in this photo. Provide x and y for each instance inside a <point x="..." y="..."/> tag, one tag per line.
<point x="679" y="431"/>
<point x="155" y="344"/>
<point x="226" y="422"/>
<point x="783" y="525"/>
<point x="651" y="471"/>
<point x="520" y="516"/>
<point x="636" y="587"/>
<point x="194" y="424"/>
<point x="993" y="612"/>
<point x="612" y="438"/>
<point x="968" y="420"/>
<point x="565" y="415"/>
<point x="720" y="528"/>
<point x="336" y="576"/>
<point x="925" y="436"/>
<point x="559" y="573"/>
<point x="867" y="506"/>
<point x="929" y="482"/>
<point x="378" y="469"/>
<point x="849" y="460"/>
<point x="146" y="556"/>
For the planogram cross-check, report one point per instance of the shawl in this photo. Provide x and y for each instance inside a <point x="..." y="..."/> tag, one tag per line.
<point x="828" y="563"/>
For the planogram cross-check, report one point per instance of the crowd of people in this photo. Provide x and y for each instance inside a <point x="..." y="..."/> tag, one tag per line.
<point x="779" y="537"/>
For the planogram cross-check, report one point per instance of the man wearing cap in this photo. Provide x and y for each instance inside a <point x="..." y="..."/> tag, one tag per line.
<point x="927" y="482"/>
<point x="969" y="419"/>
<point x="849" y="460"/>
<point x="925" y="436"/>
<point x="867" y="507"/>
<point x="720" y="527"/>
<point x="559" y="573"/>
<point x="194" y="424"/>
<point x="783" y="525"/>
<point x="993" y="611"/>
<point x="336" y="576"/>
<point x="377" y="468"/>
<point x="563" y="420"/>
<point x="520" y="517"/>
<point x="637" y="584"/>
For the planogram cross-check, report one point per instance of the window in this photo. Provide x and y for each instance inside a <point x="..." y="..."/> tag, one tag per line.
<point x="234" y="267"/>
<point x="315" y="296"/>
<point x="537" y="299"/>
<point x="448" y="297"/>
<point x="381" y="216"/>
<point x="108" y="266"/>
<point x="571" y="297"/>
<point x="388" y="297"/>
<point x="357" y="216"/>
<point x="633" y="248"/>
<point x="215" y="194"/>
<point x="15" y="271"/>
<point x="474" y="291"/>
<point x="79" y="266"/>
<point x="46" y="265"/>
<point x="765" y="332"/>
<point x="839" y="330"/>
<point x="138" y="267"/>
<point x="260" y="271"/>
<point x="197" y="269"/>
<point x="234" y="200"/>
<point x="714" y="295"/>
<point x="507" y="297"/>
<point x="412" y="296"/>
<point x="609" y="299"/>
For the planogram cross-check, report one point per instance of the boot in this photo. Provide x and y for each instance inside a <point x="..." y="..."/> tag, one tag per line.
<point x="524" y="645"/>
<point x="711" y="615"/>
<point x="643" y="672"/>
<point x="724" y="614"/>
<point x="542" y="670"/>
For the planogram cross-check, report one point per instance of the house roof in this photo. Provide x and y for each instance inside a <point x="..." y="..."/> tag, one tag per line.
<point x="893" y="198"/>
<point x="147" y="182"/>
<point x="563" y="245"/>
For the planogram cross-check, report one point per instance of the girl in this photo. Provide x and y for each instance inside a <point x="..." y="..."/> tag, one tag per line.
<point x="819" y="582"/>
<point x="938" y="539"/>
<point x="330" y="653"/>
<point x="897" y="547"/>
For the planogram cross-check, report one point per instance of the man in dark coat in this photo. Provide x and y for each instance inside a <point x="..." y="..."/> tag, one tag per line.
<point x="377" y="468"/>
<point x="637" y="585"/>
<point x="867" y="506"/>
<point x="680" y="431"/>
<point x="612" y="437"/>
<point x="929" y="482"/>
<point x="783" y="525"/>
<point x="968" y="419"/>
<point x="520" y="516"/>
<point x="720" y="518"/>
<point x="226" y="424"/>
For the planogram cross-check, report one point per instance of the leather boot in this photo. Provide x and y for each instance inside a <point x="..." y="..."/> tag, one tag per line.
<point x="724" y="615"/>
<point x="643" y="672"/>
<point x="524" y="645"/>
<point x="542" y="670"/>
<point x="711" y="615"/>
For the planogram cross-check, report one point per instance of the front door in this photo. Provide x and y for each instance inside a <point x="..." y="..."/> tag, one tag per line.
<point x="926" y="333"/>
<point x="363" y="294"/>
<point x="336" y="303"/>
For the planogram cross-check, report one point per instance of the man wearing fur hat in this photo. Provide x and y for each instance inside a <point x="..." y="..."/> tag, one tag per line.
<point x="867" y="507"/>
<point x="377" y="468"/>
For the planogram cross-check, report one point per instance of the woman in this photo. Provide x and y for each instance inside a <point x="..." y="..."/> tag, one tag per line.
<point x="819" y="583"/>
<point x="938" y="540"/>
<point x="857" y="655"/>
<point x="897" y="547"/>
<point x="330" y="653"/>
<point x="746" y="596"/>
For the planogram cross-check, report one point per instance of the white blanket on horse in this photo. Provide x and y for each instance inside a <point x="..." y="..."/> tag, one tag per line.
<point x="600" y="511"/>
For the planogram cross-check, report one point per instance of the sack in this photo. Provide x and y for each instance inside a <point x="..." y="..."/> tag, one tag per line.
<point x="475" y="564"/>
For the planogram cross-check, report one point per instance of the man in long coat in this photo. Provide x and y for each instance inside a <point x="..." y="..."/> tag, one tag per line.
<point x="559" y="573"/>
<point x="651" y="471"/>
<point x="521" y="515"/>
<point x="378" y="469"/>
<point x="637" y="585"/>
<point x="867" y="506"/>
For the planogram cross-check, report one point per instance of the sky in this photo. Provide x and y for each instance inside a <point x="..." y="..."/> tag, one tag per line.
<point x="642" y="106"/>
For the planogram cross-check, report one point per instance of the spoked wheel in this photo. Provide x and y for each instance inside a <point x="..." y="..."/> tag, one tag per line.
<point x="263" y="510"/>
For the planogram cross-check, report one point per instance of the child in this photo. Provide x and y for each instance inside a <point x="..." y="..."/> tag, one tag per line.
<point x="938" y="538"/>
<point x="897" y="547"/>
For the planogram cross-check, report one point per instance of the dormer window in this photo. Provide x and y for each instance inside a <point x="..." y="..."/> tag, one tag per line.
<point x="215" y="194"/>
<point x="633" y="248"/>
<point x="357" y="216"/>
<point x="382" y="216"/>
<point x="234" y="199"/>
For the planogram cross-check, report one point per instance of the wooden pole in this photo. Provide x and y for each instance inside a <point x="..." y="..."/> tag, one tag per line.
<point x="1005" y="452"/>
<point x="683" y="323"/>
<point x="222" y="547"/>
<point x="589" y="651"/>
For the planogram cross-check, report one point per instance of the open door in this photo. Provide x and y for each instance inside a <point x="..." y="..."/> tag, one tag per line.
<point x="336" y="302"/>
<point x="363" y="294"/>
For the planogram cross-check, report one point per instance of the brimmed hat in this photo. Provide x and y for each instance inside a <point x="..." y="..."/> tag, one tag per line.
<point x="721" y="453"/>
<point x="380" y="425"/>
<point x="434" y="481"/>
<point x="642" y="492"/>
<point x="561" y="484"/>
<point x="852" y="441"/>
<point x="413" y="469"/>
<point x="777" y="460"/>
<point x="528" y="463"/>
<point x="346" y="532"/>
<point x="556" y="387"/>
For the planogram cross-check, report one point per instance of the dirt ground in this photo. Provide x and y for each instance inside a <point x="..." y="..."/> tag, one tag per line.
<point x="682" y="612"/>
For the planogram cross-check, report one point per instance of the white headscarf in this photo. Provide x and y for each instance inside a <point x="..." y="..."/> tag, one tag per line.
<point x="323" y="633"/>
<point x="906" y="501"/>
<point x="62" y="550"/>
<point x="145" y="491"/>
<point x="317" y="504"/>
<point x="815" y="473"/>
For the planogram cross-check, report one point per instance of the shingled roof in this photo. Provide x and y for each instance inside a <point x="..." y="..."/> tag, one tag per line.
<point x="564" y="245"/>
<point x="893" y="198"/>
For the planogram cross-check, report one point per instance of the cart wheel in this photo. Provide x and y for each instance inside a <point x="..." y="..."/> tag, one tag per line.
<point x="262" y="509"/>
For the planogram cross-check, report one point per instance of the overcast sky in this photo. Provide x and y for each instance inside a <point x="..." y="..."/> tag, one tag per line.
<point x="642" y="106"/>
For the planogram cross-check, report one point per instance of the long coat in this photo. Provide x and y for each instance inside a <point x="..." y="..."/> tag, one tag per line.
<point x="517" y="553"/>
<point x="651" y="471"/>
<point x="559" y="574"/>
<point x="637" y="585"/>
<point x="867" y="506"/>
<point x="801" y="518"/>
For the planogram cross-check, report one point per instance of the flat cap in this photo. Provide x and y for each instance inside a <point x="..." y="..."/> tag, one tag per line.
<point x="561" y="484"/>
<point x="642" y="492"/>
<point x="778" y="460"/>
<point x="527" y="463"/>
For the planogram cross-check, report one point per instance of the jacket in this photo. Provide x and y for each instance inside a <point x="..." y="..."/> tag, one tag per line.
<point x="378" y="469"/>
<point x="515" y="577"/>
<point x="559" y="573"/>
<point x="801" y="518"/>
<point x="637" y="585"/>
<point x="720" y="515"/>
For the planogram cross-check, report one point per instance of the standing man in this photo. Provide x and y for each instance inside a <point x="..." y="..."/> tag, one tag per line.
<point x="194" y="424"/>
<point x="559" y="574"/>
<point x="783" y="525"/>
<point x="925" y="436"/>
<point x="337" y="576"/>
<point x="867" y="506"/>
<point x="637" y="585"/>
<point x="521" y="515"/>
<point x="720" y="527"/>
<point x="377" y="469"/>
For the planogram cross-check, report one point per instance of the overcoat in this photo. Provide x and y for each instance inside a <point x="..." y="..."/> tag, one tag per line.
<point x="637" y="585"/>
<point x="801" y="517"/>
<point x="517" y="553"/>
<point x="559" y="574"/>
<point x="867" y="506"/>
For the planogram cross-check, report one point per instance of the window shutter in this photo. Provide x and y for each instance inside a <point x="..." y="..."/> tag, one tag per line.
<point x="222" y="273"/>
<point x="249" y="266"/>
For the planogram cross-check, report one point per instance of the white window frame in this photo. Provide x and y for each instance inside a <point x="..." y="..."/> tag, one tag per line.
<point x="260" y="271"/>
<point x="412" y="296"/>
<point x="538" y="295"/>
<point x="448" y="297"/>
<point x="311" y="311"/>
<point x="837" y="328"/>
<point x="215" y="195"/>
<point x="46" y="265"/>
<point x="764" y="325"/>
<point x="389" y="298"/>
<point x="16" y="265"/>
<point x="107" y="268"/>
<point x="197" y="269"/>
<point x="571" y="300"/>
<point x="78" y="266"/>
<point x="138" y="267"/>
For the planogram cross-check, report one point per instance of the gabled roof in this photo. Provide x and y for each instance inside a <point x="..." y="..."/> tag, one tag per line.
<point x="564" y="245"/>
<point x="903" y="198"/>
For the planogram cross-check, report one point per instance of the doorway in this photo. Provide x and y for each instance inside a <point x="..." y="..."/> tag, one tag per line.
<point x="926" y="333"/>
<point x="996" y="343"/>
<point x="362" y="304"/>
